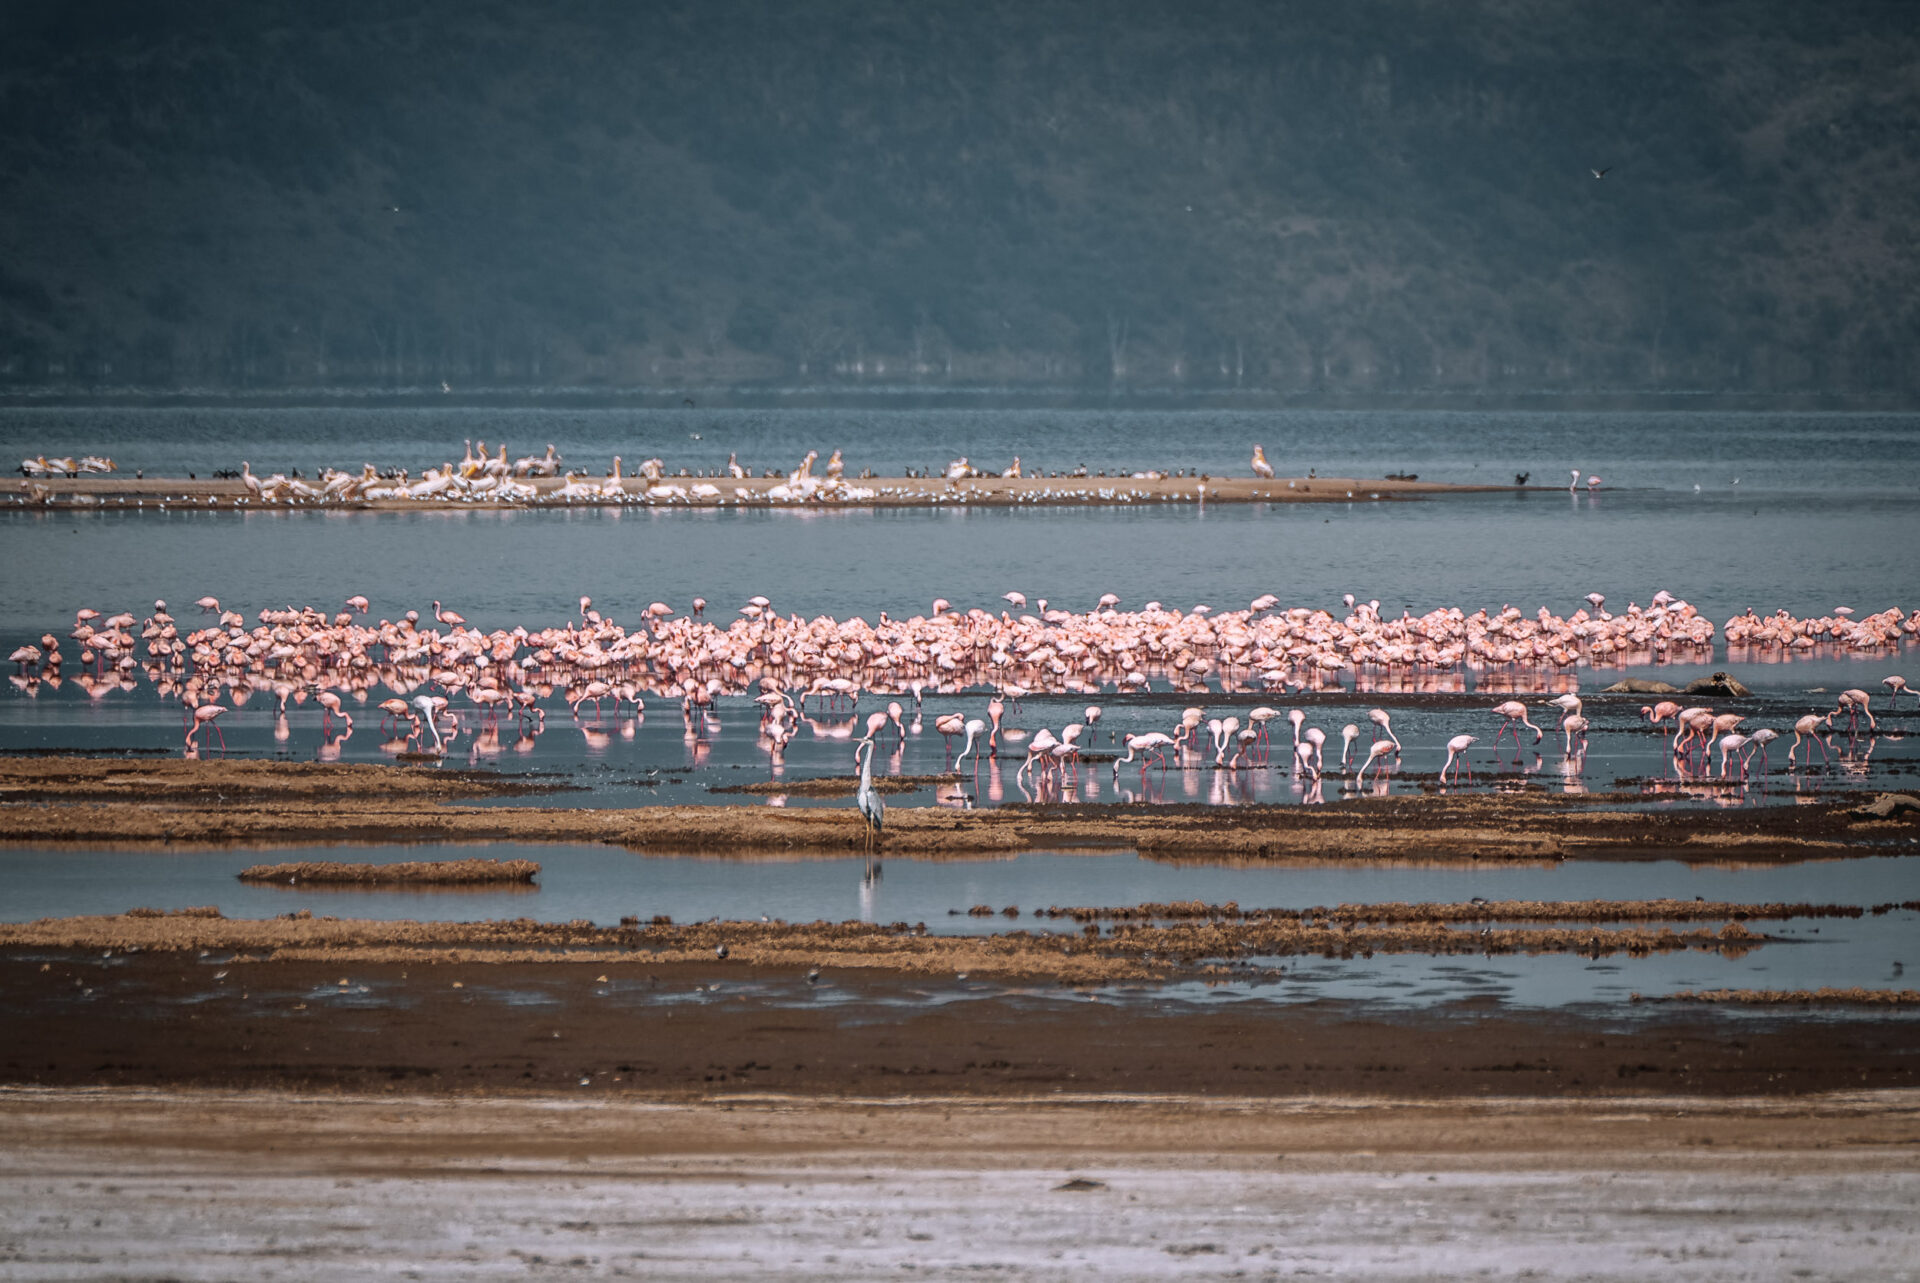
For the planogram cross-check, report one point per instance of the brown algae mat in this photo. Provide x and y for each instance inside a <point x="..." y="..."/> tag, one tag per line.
<point x="68" y="799"/>
<point x="1121" y="952"/>
<point x="437" y="873"/>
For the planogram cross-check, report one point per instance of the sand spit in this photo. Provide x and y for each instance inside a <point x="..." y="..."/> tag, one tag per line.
<point x="244" y="802"/>
<point x="1124" y="951"/>
<point x="865" y="492"/>
<point x="407" y="873"/>
<point x="1853" y="997"/>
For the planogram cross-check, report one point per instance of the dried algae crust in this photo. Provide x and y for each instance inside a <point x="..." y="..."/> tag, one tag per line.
<point x="263" y="803"/>
<point x="1125" y="951"/>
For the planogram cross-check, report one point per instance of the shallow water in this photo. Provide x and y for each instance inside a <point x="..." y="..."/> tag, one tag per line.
<point x="603" y="884"/>
<point x="659" y="758"/>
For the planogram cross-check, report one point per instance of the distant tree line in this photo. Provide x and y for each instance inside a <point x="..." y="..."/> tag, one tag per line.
<point x="1382" y="195"/>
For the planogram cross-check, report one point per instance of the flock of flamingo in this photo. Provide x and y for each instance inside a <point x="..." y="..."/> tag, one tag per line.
<point x="783" y="661"/>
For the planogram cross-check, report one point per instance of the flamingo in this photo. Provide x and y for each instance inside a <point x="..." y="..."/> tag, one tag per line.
<point x="430" y="706"/>
<point x="1375" y="752"/>
<point x="1573" y="724"/>
<point x="1317" y="739"/>
<point x="208" y="605"/>
<point x="973" y="728"/>
<point x="1729" y="745"/>
<point x="359" y="603"/>
<point x="1457" y="753"/>
<point x="1382" y="722"/>
<point x="330" y="701"/>
<point x="1808" y="727"/>
<point x="1509" y="712"/>
<point x="950" y="725"/>
<point x="1295" y="716"/>
<point x="1148" y="744"/>
<point x="1760" y="739"/>
<point x="448" y="617"/>
<point x="203" y="716"/>
<point x="1854" y="704"/>
<point x="1658" y="713"/>
<point x="1895" y="685"/>
<point x="1348" y="734"/>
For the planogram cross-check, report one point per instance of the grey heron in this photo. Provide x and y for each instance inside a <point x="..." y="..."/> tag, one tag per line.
<point x="872" y="810"/>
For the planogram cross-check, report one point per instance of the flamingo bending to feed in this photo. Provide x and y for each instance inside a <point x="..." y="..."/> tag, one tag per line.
<point x="1457" y="757"/>
<point x="1895" y="685"/>
<point x="1509" y="712"/>
<point x="1760" y="739"/>
<point x="1808" y="727"/>
<point x="203" y="716"/>
<point x="1731" y="744"/>
<point x="1383" y="723"/>
<point x="1375" y="752"/>
<point x="1348" y="734"/>
<point x="973" y="728"/>
<point x="1854" y="704"/>
<point x="1150" y="744"/>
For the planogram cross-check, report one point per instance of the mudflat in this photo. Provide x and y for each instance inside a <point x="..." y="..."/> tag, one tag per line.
<point x="75" y="799"/>
<point x="675" y="1029"/>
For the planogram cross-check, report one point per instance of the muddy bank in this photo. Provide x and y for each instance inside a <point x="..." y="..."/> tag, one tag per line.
<point x="244" y="780"/>
<point x="705" y="1029"/>
<point x="253" y="802"/>
<point x="1124" y="951"/>
<point x="436" y="873"/>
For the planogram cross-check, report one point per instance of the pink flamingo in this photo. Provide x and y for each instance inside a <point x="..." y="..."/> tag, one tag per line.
<point x="1457" y="757"/>
<point x="1808" y="727"/>
<point x="1895" y="685"/>
<point x="1382" y="722"/>
<point x="330" y="701"/>
<point x="1375" y="752"/>
<point x="1854" y="704"/>
<point x="1509" y="712"/>
<point x="203" y="716"/>
<point x="1150" y="744"/>
<point x="1574" y="725"/>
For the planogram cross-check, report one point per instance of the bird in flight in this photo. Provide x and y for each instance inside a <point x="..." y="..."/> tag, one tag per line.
<point x="1601" y="173"/>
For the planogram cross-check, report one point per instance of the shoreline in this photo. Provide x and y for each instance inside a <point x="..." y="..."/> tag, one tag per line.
<point x="115" y="490"/>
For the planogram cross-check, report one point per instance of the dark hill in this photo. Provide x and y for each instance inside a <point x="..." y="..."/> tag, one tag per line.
<point x="1352" y="197"/>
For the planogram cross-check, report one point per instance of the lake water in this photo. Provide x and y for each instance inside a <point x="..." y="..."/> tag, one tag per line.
<point x="603" y="884"/>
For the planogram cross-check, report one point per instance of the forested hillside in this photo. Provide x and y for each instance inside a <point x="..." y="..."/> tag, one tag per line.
<point x="1374" y="195"/>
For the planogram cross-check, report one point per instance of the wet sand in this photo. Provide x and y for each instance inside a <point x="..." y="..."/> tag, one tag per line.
<point x="895" y="492"/>
<point x="252" y="802"/>
<point x="220" y="1185"/>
